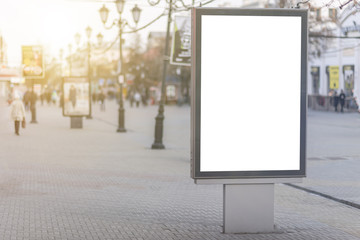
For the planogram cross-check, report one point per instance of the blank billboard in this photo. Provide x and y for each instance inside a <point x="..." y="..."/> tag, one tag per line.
<point x="249" y="93"/>
<point x="76" y="96"/>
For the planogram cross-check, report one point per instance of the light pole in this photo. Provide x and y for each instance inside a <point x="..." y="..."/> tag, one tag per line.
<point x="88" y="34"/>
<point x="104" y="12"/>
<point x="77" y="39"/>
<point x="61" y="54"/>
<point x="70" y="48"/>
<point x="159" y="120"/>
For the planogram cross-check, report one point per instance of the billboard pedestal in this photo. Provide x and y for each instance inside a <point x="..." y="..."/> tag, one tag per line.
<point x="76" y="122"/>
<point x="248" y="208"/>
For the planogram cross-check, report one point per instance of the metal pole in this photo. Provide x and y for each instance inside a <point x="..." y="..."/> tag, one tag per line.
<point x="121" y="127"/>
<point x="89" y="75"/>
<point x="69" y="59"/>
<point x="159" y="120"/>
<point x="33" y="104"/>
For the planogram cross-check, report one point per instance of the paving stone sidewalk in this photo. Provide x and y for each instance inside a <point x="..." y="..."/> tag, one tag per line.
<point x="94" y="183"/>
<point x="334" y="155"/>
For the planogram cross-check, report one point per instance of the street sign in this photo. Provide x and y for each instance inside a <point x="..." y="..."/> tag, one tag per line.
<point x="254" y="125"/>
<point x="76" y="97"/>
<point x="333" y="77"/>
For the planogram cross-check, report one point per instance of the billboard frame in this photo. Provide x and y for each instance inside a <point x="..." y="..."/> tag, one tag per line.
<point x="63" y="97"/>
<point x="196" y="174"/>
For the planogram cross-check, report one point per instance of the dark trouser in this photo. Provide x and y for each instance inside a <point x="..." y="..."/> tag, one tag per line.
<point x="342" y="107"/>
<point x="17" y="127"/>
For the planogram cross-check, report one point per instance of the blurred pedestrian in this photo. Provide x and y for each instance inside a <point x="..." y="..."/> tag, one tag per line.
<point x="17" y="113"/>
<point x="26" y="99"/>
<point x="9" y="98"/>
<point x="61" y="95"/>
<point x="48" y="97"/>
<point x="33" y="99"/>
<point x="131" y="98"/>
<point x="342" y="100"/>
<point x="54" y="97"/>
<point x="144" y="98"/>
<point x="42" y="98"/>
<point x="336" y="101"/>
<point x="137" y="98"/>
<point x="102" y="100"/>
<point x="94" y="97"/>
<point x="72" y="96"/>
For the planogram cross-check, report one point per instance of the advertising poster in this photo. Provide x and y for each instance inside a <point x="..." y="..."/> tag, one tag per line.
<point x="76" y="96"/>
<point x="181" y="47"/>
<point x="333" y="77"/>
<point x="32" y="62"/>
<point x="348" y="71"/>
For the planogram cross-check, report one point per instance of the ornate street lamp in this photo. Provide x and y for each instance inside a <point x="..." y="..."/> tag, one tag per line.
<point x="104" y="13"/>
<point x="88" y="31"/>
<point x="120" y="6"/>
<point x="77" y="38"/>
<point x="136" y="11"/>
<point x="100" y="38"/>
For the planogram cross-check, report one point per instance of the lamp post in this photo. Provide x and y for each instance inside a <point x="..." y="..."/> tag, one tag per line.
<point x="61" y="54"/>
<point x="70" y="48"/>
<point x="104" y="12"/>
<point x="99" y="38"/>
<point x="159" y="120"/>
<point x="88" y="35"/>
<point x="77" y="39"/>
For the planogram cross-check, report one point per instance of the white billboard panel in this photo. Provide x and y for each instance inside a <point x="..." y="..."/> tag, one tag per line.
<point x="250" y="99"/>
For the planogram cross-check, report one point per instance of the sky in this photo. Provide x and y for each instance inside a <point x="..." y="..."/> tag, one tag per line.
<point x="54" y="23"/>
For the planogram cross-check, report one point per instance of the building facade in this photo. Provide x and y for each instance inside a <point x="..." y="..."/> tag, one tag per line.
<point x="334" y="57"/>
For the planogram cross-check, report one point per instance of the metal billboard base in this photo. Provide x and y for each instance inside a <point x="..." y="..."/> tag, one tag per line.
<point x="248" y="204"/>
<point x="76" y="122"/>
<point x="248" y="208"/>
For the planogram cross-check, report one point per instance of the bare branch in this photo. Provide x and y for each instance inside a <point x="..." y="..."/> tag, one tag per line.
<point x="303" y="2"/>
<point x="343" y="5"/>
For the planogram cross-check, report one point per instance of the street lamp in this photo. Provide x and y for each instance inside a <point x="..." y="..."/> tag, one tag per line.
<point x="99" y="38"/>
<point x="77" y="39"/>
<point x="120" y="5"/>
<point x="88" y="31"/>
<point x="136" y="11"/>
<point x="104" y="13"/>
<point x="70" y="48"/>
<point x="61" y="54"/>
<point x="159" y="119"/>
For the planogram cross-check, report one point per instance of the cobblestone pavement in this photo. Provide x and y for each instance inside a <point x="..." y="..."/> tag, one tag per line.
<point x="334" y="155"/>
<point x="94" y="183"/>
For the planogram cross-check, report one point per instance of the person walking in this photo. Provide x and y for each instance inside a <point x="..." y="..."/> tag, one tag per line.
<point x="26" y="100"/>
<point x="336" y="101"/>
<point x="102" y="100"/>
<point x="17" y="112"/>
<point x="342" y="100"/>
<point x="137" y="98"/>
<point x="72" y="96"/>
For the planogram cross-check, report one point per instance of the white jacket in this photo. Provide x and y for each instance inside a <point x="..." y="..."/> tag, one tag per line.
<point x="17" y="110"/>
